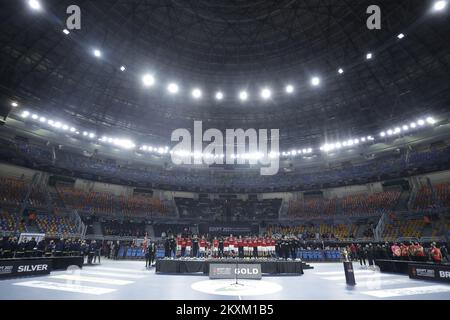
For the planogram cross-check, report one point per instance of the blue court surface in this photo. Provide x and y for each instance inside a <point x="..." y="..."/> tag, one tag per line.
<point x="114" y="280"/>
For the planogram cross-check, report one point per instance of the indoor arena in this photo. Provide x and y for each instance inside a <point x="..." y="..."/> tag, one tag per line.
<point x="224" y="150"/>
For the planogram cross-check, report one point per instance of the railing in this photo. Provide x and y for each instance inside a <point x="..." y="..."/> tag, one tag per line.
<point x="414" y="239"/>
<point x="75" y="217"/>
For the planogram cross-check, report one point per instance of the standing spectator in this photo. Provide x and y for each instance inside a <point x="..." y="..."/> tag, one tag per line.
<point x="435" y="253"/>
<point x="361" y="255"/>
<point x="97" y="253"/>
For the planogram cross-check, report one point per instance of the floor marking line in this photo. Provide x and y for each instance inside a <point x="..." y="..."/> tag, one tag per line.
<point x="380" y="282"/>
<point x="72" y="277"/>
<point x="118" y="270"/>
<point x="363" y="276"/>
<point x="342" y="272"/>
<point x="110" y="274"/>
<point x="408" y="291"/>
<point x="65" y="287"/>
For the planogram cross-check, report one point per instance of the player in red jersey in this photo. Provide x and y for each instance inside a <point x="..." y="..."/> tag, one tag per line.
<point x="202" y="247"/>
<point x="215" y="248"/>
<point x="260" y="246"/>
<point x="255" y="247"/>
<point x="240" y="245"/>
<point x="232" y="244"/>
<point x="273" y="244"/>
<point x="178" y="240"/>
<point x="188" y="247"/>
<point x="247" y="248"/>
<point x="264" y="247"/>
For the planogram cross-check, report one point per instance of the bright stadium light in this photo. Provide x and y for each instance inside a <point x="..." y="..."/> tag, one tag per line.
<point x="369" y="56"/>
<point x="35" y="5"/>
<point x="397" y="130"/>
<point x="85" y="133"/>
<point x="65" y="127"/>
<point x="341" y="71"/>
<point x="405" y="128"/>
<point x="400" y="36"/>
<point x="440" y="5"/>
<point x="243" y="95"/>
<point x="14" y="104"/>
<point x="196" y="93"/>
<point x="148" y="80"/>
<point x="390" y="132"/>
<point x="58" y="124"/>
<point x="430" y="120"/>
<point x="219" y="95"/>
<point x="173" y="88"/>
<point x="420" y="122"/>
<point x="289" y="88"/>
<point x="91" y="135"/>
<point x="266" y="93"/>
<point x="66" y="32"/>
<point x="73" y="129"/>
<point x="42" y="119"/>
<point x="413" y="125"/>
<point x="34" y="116"/>
<point x="97" y="53"/>
<point x="382" y="134"/>
<point x="50" y="122"/>
<point x="122" y="68"/>
<point x="315" y="81"/>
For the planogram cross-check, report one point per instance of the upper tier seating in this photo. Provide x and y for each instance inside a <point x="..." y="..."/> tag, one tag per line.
<point x="13" y="192"/>
<point x="355" y="205"/>
<point x="428" y="198"/>
<point x="313" y="177"/>
<point x="103" y="203"/>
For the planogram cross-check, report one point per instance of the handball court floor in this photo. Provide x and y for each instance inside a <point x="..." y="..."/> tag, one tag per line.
<point x="122" y="280"/>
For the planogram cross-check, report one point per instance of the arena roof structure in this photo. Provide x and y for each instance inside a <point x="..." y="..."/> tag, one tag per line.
<point x="320" y="49"/>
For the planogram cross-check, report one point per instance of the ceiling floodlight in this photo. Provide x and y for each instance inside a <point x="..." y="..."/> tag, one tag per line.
<point x="173" y="88"/>
<point x="219" y="95"/>
<point x="35" y="5"/>
<point x="440" y="5"/>
<point x="97" y="53"/>
<point x="289" y="88"/>
<point x="148" y="80"/>
<point x="266" y="93"/>
<point x="243" y="95"/>
<point x="196" y="93"/>
<point x="315" y="81"/>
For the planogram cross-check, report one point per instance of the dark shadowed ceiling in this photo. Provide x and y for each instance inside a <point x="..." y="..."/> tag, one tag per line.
<point x="229" y="45"/>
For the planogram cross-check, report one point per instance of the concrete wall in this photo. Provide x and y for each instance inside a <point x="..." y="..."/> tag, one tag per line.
<point x="103" y="187"/>
<point x="11" y="171"/>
